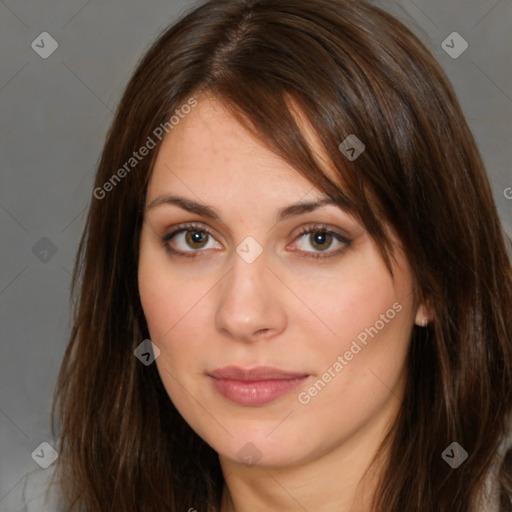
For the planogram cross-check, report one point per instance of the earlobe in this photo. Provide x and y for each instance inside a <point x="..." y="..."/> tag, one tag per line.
<point x="423" y="316"/>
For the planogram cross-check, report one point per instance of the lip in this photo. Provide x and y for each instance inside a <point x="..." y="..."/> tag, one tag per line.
<point x="255" y="386"/>
<point x="256" y="373"/>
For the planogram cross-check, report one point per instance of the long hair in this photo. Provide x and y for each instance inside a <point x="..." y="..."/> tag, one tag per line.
<point x="351" y="69"/>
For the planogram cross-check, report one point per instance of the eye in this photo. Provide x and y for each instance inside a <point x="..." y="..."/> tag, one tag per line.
<point x="316" y="240"/>
<point x="189" y="238"/>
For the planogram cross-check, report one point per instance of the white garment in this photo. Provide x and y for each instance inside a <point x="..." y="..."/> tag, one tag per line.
<point x="33" y="493"/>
<point x="491" y="491"/>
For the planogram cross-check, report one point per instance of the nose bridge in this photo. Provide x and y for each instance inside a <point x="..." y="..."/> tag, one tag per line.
<point x="249" y="267"/>
<point x="247" y="305"/>
<point x="246" y="283"/>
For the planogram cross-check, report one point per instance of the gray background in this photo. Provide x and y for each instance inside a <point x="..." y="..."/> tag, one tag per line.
<point x="54" y="116"/>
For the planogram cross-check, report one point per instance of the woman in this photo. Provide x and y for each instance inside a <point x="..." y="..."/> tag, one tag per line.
<point x="293" y="291"/>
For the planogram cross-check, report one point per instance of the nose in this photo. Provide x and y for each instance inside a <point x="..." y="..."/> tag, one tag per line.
<point x="249" y="308"/>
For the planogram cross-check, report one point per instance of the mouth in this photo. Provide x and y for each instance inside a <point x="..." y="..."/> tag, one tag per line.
<point x="256" y="386"/>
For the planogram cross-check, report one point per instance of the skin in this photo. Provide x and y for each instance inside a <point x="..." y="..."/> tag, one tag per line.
<point x="286" y="309"/>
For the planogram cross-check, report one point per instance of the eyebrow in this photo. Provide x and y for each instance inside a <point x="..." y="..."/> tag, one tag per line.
<point x="211" y="213"/>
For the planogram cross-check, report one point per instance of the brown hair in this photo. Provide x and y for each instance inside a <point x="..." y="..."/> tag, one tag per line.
<point x="351" y="68"/>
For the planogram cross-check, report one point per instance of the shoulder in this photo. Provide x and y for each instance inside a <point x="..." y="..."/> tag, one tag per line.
<point x="490" y="497"/>
<point x="39" y="494"/>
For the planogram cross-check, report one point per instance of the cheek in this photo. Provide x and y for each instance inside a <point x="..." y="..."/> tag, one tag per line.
<point x="178" y="307"/>
<point x="171" y="302"/>
<point x="166" y="294"/>
<point x="369" y="315"/>
<point x="366" y="320"/>
<point x="358" y="298"/>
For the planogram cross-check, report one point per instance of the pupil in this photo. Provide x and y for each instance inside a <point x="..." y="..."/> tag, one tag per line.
<point x="196" y="238"/>
<point x="321" y="240"/>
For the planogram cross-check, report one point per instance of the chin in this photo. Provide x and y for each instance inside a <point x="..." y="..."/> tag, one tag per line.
<point x="258" y="448"/>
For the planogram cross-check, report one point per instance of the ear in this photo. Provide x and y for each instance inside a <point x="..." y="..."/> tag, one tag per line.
<point x="423" y="315"/>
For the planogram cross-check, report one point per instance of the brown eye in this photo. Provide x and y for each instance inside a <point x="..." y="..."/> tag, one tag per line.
<point x="189" y="239"/>
<point x="196" y="239"/>
<point x="320" y="240"/>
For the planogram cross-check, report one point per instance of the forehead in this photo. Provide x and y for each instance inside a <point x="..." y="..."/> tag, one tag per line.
<point x="210" y="145"/>
<point x="209" y="149"/>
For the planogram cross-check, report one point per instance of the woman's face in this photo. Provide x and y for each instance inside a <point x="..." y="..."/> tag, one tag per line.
<point x="233" y="272"/>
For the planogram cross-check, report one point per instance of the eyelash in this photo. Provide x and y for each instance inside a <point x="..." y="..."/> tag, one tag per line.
<point x="313" y="228"/>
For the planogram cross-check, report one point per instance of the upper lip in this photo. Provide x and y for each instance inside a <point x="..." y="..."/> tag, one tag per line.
<point x="258" y="373"/>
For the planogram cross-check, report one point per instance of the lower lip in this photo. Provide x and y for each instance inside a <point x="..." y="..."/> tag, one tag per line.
<point x="255" y="392"/>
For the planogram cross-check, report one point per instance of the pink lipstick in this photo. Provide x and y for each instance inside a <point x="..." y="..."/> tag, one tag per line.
<point x="256" y="386"/>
